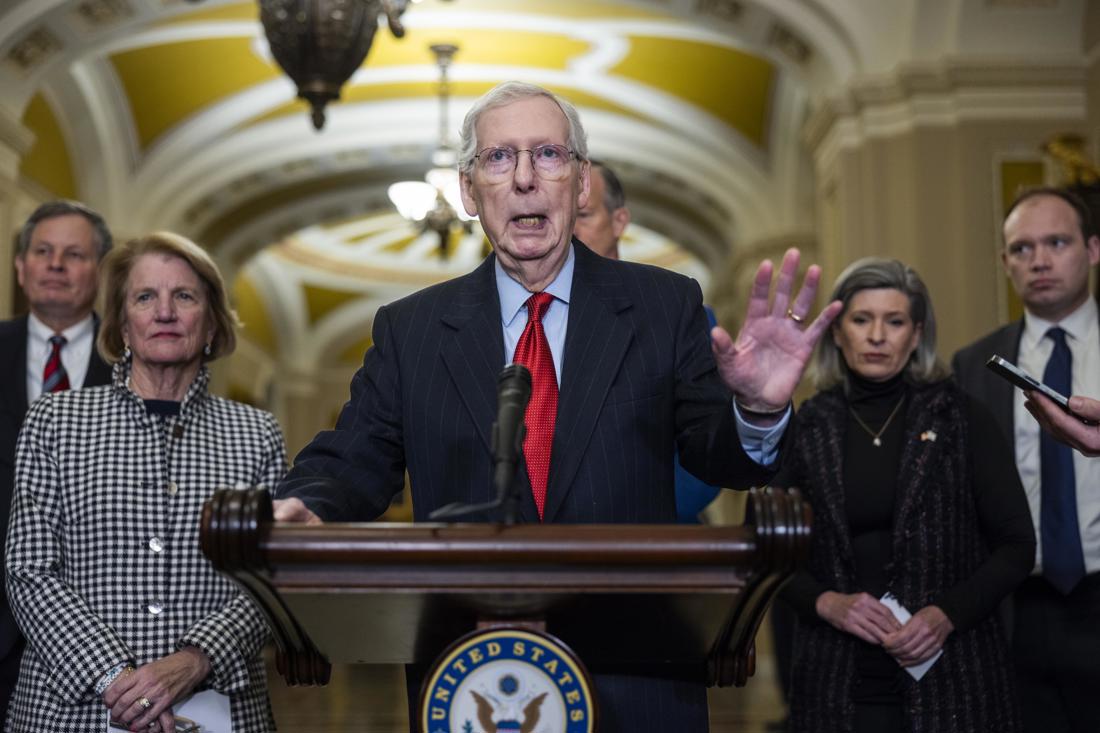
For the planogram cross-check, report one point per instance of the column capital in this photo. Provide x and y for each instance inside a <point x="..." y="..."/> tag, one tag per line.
<point x="15" y="142"/>
<point x="944" y="93"/>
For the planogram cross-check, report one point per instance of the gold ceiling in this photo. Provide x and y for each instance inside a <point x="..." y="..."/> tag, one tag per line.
<point x="177" y="110"/>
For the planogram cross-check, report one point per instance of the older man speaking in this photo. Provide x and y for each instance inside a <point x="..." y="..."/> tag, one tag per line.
<point x="621" y="367"/>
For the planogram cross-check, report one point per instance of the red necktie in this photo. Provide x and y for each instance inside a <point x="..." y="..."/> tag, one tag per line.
<point x="54" y="376"/>
<point x="533" y="351"/>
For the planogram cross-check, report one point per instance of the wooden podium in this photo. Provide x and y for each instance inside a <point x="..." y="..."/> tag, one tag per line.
<point x="400" y="593"/>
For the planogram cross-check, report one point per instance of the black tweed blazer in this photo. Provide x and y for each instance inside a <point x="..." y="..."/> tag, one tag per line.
<point x="937" y="544"/>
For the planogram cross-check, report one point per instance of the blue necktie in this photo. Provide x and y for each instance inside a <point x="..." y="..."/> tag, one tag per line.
<point x="1063" y="559"/>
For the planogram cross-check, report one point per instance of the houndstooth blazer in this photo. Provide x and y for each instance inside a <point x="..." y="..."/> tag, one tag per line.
<point x="103" y="556"/>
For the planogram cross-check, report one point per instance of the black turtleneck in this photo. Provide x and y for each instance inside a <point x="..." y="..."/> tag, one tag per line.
<point x="870" y="477"/>
<point x="870" y="473"/>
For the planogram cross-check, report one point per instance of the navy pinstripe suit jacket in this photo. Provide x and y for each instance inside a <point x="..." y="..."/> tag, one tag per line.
<point x="638" y="377"/>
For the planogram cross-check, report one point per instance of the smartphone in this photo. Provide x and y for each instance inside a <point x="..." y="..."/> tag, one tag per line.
<point x="1026" y="382"/>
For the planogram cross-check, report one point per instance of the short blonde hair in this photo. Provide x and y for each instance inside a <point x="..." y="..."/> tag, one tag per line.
<point x="115" y="276"/>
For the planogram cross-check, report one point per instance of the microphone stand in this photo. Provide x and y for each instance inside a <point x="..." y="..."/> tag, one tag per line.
<point x="513" y="393"/>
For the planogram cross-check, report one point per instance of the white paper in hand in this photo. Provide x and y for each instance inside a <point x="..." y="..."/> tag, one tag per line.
<point x="902" y="615"/>
<point x="207" y="711"/>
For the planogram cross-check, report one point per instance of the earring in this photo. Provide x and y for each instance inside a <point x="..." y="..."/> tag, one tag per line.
<point x="206" y="349"/>
<point x="126" y="353"/>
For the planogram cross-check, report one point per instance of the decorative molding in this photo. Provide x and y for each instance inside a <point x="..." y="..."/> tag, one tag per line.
<point x="96" y="14"/>
<point x="944" y="93"/>
<point x="790" y="44"/>
<point x="33" y="49"/>
<point x="15" y="141"/>
<point x="727" y="10"/>
<point x="1021" y="4"/>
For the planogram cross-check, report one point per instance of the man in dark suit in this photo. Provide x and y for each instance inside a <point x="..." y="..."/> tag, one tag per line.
<point x="1050" y="248"/>
<point x="57" y="264"/>
<point x="600" y="225"/>
<point x="627" y="344"/>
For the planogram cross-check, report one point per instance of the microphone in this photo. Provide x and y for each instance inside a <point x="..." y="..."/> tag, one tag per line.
<point x="513" y="394"/>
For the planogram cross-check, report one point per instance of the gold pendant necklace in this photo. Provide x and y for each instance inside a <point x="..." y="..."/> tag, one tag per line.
<point x="876" y="438"/>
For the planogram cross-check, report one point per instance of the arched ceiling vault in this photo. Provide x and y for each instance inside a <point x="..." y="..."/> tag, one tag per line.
<point x="167" y="114"/>
<point x="176" y="117"/>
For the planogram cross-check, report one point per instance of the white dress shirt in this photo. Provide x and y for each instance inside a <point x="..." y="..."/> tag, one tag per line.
<point x="1083" y="337"/>
<point x="74" y="354"/>
<point x="761" y="444"/>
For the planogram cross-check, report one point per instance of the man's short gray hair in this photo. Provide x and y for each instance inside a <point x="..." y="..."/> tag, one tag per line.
<point x="504" y="94"/>
<point x="54" y="209"/>
<point x="873" y="273"/>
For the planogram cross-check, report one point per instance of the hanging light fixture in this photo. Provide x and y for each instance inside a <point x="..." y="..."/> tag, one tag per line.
<point x="320" y="43"/>
<point x="436" y="202"/>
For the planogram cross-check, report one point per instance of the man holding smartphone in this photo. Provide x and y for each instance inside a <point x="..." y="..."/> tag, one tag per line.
<point x="1082" y="435"/>
<point x="1050" y="249"/>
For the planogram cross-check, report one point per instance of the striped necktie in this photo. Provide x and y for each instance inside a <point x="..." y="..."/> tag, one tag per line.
<point x="54" y="376"/>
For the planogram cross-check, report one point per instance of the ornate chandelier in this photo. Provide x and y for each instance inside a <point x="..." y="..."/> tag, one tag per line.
<point x="436" y="203"/>
<point x="320" y="43"/>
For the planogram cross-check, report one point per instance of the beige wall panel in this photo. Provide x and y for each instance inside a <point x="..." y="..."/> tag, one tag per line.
<point x="928" y="196"/>
<point x="1093" y="103"/>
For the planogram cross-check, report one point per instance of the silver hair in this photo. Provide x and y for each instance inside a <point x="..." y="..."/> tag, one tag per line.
<point x="504" y="94"/>
<point x="872" y="273"/>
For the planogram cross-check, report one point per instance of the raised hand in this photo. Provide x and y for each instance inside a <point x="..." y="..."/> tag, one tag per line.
<point x="920" y="638"/>
<point x="1069" y="429"/>
<point x="858" y="614"/>
<point x="764" y="365"/>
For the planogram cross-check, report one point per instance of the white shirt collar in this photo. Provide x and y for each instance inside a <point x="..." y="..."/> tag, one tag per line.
<point x="513" y="296"/>
<point x="42" y="332"/>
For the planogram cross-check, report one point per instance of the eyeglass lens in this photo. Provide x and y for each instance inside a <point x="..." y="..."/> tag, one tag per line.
<point x="548" y="160"/>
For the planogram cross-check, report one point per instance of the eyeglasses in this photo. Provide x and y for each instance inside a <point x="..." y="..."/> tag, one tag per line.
<point x="549" y="161"/>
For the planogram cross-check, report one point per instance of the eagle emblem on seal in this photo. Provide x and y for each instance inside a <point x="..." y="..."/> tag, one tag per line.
<point x="508" y="714"/>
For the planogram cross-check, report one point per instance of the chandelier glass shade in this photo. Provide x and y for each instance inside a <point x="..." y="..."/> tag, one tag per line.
<point x="435" y="203"/>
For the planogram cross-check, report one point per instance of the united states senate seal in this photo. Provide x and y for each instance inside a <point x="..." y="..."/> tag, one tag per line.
<point x="508" y="680"/>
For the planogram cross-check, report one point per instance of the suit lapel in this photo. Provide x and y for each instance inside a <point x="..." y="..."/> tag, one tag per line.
<point x="595" y="343"/>
<point x="99" y="372"/>
<point x="473" y="353"/>
<point x="14" y="369"/>
<point x="470" y="324"/>
<point x="1002" y="401"/>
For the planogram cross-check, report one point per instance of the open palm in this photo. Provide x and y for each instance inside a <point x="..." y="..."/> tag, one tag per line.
<point x="764" y="365"/>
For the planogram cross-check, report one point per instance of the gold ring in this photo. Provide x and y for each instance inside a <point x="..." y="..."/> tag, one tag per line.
<point x="793" y="317"/>
<point x="145" y="703"/>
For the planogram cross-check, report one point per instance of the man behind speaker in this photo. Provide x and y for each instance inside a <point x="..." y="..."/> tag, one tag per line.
<point x="600" y="224"/>
<point x="57" y="265"/>
<point x="1050" y="248"/>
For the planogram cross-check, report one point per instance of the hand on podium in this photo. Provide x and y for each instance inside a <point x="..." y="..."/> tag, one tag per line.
<point x="293" y="510"/>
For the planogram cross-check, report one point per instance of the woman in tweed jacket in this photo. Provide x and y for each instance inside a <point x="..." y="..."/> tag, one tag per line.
<point x="122" y="613"/>
<point x="915" y="495"/>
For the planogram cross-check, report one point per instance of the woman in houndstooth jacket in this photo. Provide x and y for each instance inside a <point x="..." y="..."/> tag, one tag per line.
<point x="123" y="615"/>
